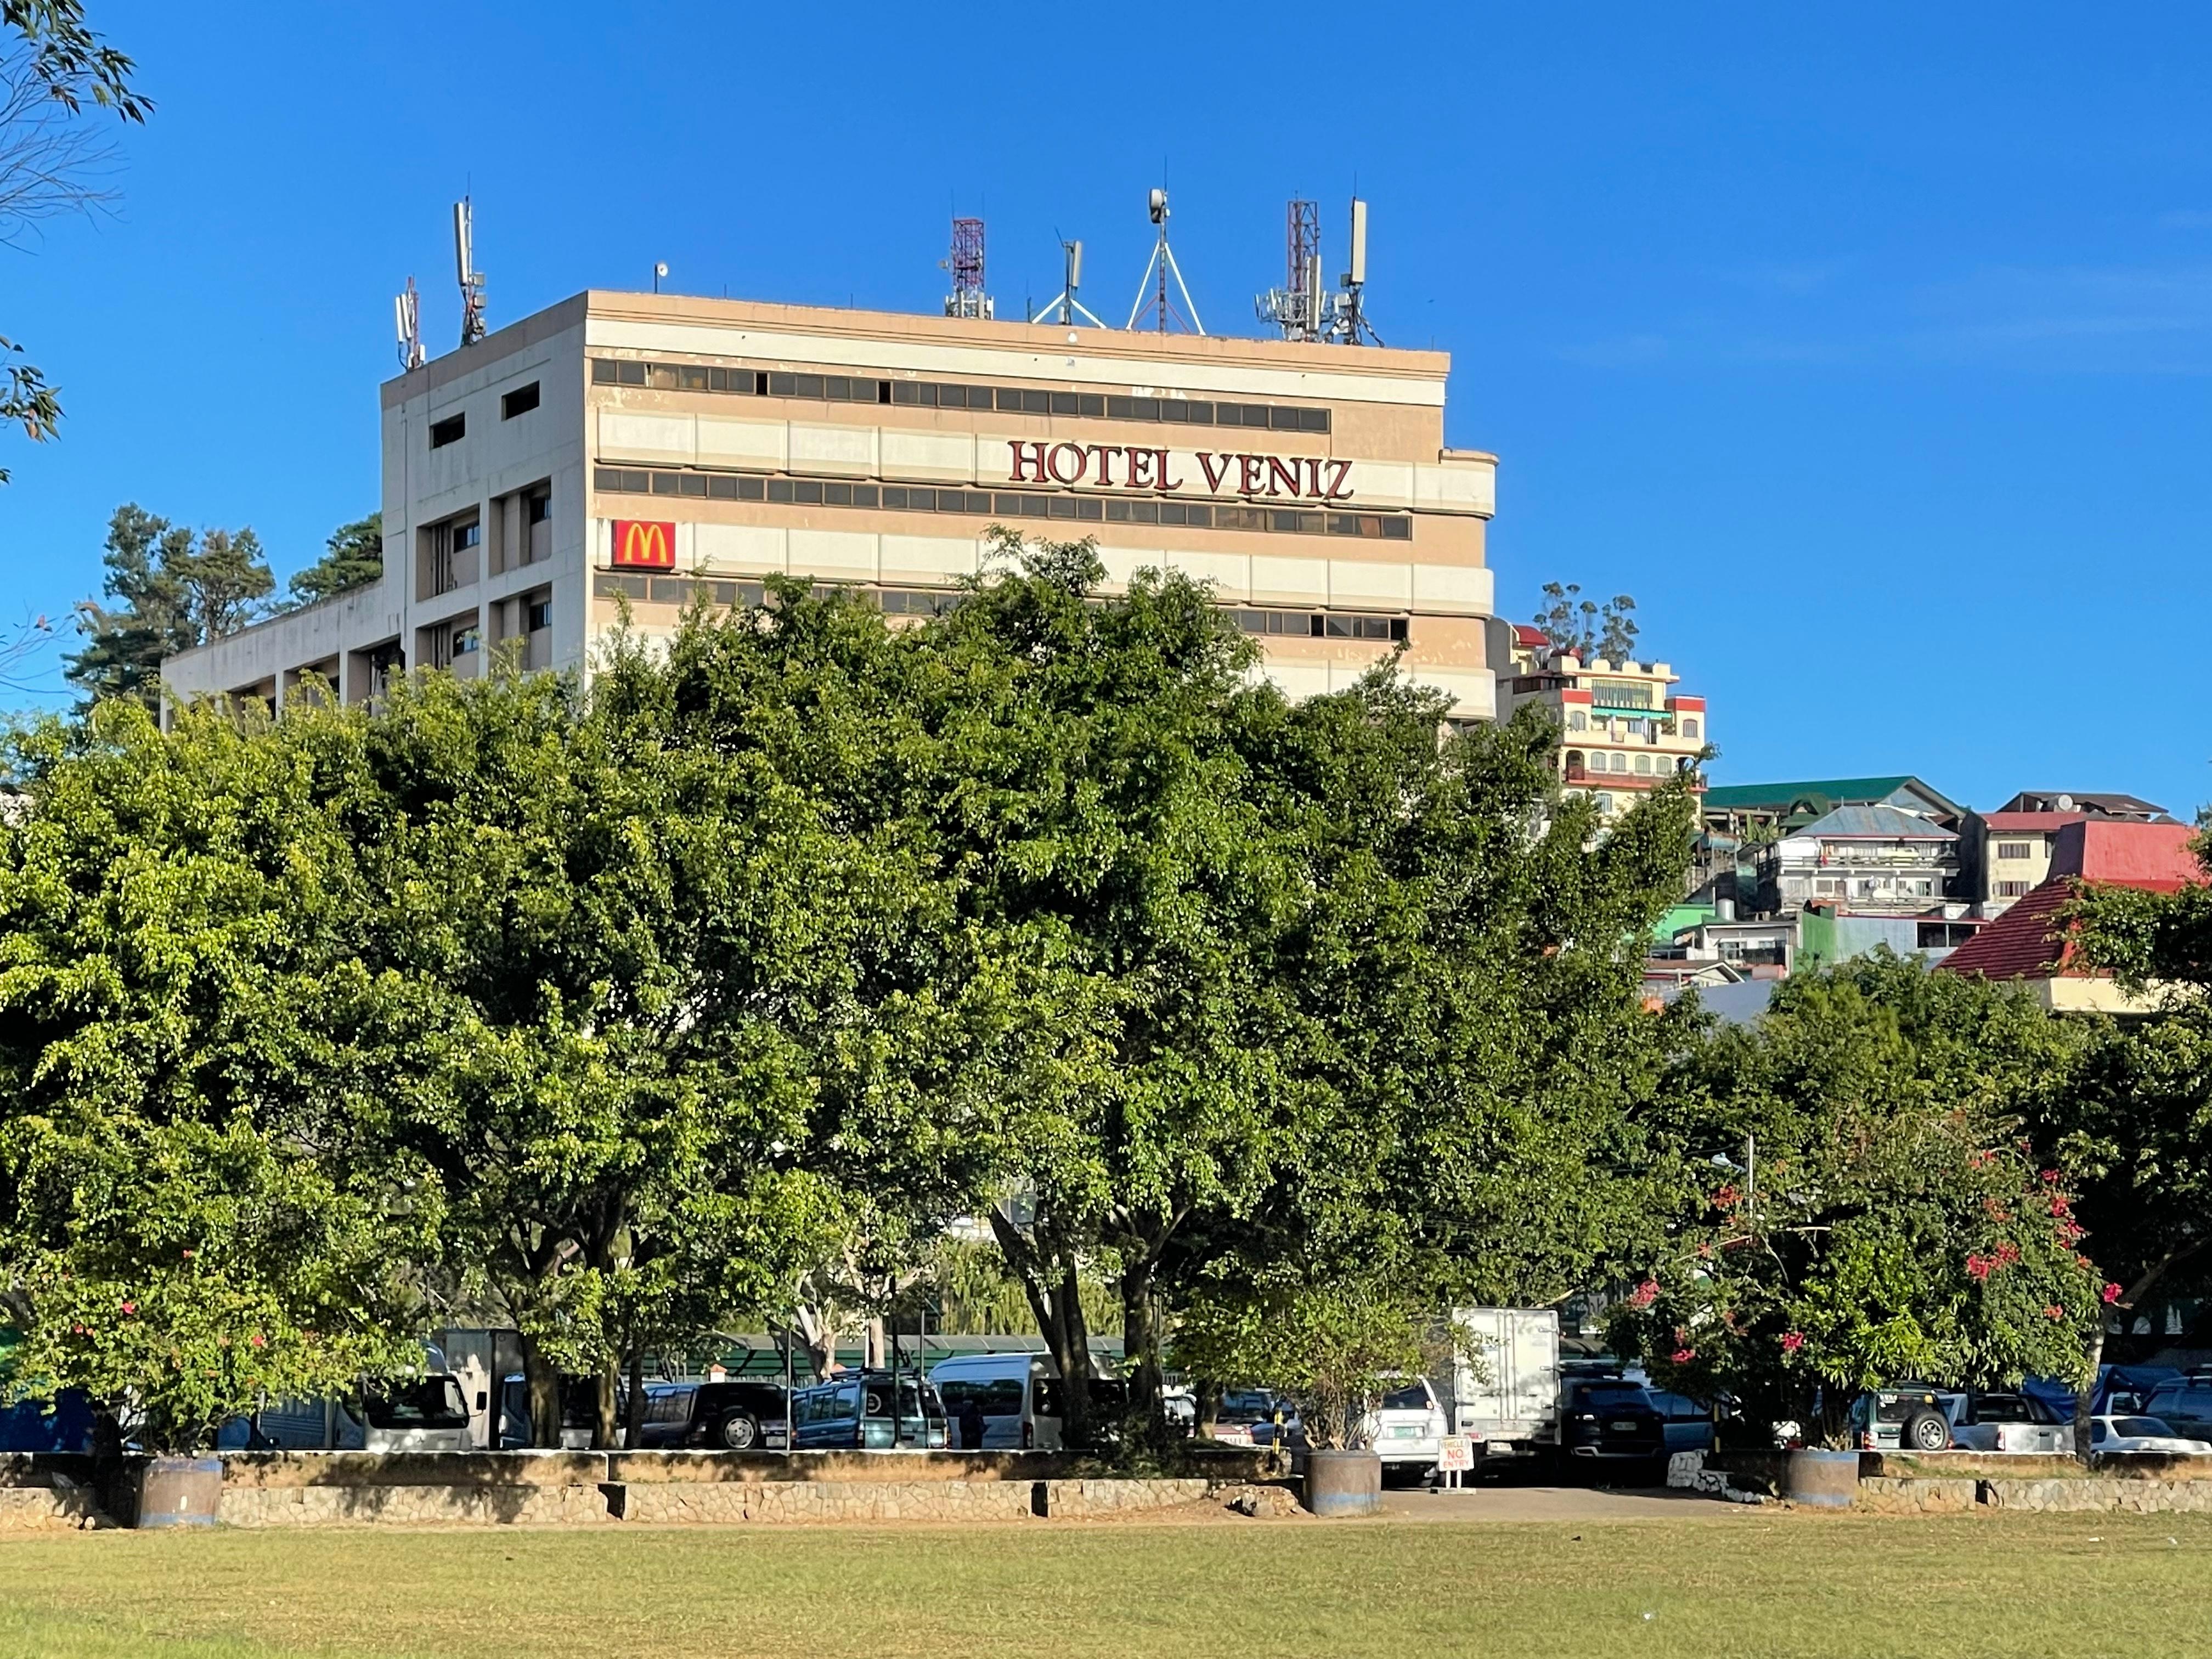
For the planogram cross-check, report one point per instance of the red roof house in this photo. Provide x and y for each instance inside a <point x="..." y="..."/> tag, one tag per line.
<point x="2029" y="943"/>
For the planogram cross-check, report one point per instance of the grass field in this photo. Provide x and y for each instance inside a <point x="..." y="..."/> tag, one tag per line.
<point x="1779" y="1585"/>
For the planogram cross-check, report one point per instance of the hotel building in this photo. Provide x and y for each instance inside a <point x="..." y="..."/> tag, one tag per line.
<point x="645" y="448"/>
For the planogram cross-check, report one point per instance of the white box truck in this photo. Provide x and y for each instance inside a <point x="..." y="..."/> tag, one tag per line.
<point x="1505" y="1394"/>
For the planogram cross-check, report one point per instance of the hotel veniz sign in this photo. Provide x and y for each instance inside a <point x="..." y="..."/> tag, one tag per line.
<point x="1299" y="478"/>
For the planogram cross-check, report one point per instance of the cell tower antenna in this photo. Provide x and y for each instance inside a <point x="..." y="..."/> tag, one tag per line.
<point x="1065" y="301"/>
<point x="1300" y="307"/>
<point x="1348" y="323"/>
<point x="1153" y="290"/>
<point x="968" y="298"/>
<point x="473" y="327"/>
<point x="407" y="319"/>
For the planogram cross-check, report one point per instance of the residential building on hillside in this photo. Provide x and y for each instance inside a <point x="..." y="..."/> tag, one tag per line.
<point x="1879" y="859"/>
<point x="2006" y="854"/>
<point x="1623" y="729"/>
<point x="2030" y="943"/>
<point x="642" y="451"/>
<point x="1737" y="819"/>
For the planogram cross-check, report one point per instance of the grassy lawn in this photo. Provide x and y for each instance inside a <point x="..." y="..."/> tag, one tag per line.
<point x="1779" y="1585"/>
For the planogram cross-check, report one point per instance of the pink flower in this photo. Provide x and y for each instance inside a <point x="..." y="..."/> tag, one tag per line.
<point x="1978" y="1266"/>
<point x="1792" y="1340"/>
<point x="1726" y="1197"/>
<point x="1644" y="1294"/>
<point x="2049" y="1177"/>
<point x="2058" y="1204"/>
<point x="1683" y="1356"/>
<point x="2008" y="1253"/>
<point x="2111" y="1292"/>
<point x="256" y="1341"/>
<point x="2054" y="1311"/>
<point x="131" y="1307"/>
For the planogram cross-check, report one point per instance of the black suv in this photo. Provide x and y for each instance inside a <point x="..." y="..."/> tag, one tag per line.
<point x="2185" y="1405"/>
<point x="1610" y="1420"/>
<point x="722" y="1416"/>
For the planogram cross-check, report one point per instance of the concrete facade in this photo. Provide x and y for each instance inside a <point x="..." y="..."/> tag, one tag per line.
<point x="1310" y="485"/>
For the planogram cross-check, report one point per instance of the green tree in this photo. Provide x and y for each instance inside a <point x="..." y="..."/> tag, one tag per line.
<point x="352" y="558"/>
<point x="173" y="918"/>
<point x="177" y="590"/>
<point x="1861" y="1203"/>
<point x="51" y="65"/>
<point x="1584" y="627"/>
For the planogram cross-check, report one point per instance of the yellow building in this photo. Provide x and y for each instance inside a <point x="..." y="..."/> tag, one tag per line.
<point x="643" y="448"/>
<point x="1623" y="728"/>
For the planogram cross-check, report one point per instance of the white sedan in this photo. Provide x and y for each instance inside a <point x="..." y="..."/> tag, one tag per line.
<point x="2110" y="1434"/>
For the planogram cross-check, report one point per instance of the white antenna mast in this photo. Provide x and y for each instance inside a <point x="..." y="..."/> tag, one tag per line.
<point x="1348" y="324"/>
<point x="407" y="320"/>
<point x="473" y="327"/>
<point x="1162" y="263"/>
<point x="1065" y="301"/>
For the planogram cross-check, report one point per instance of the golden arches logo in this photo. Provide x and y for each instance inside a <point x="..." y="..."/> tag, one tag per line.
<point x="645" y="543"/>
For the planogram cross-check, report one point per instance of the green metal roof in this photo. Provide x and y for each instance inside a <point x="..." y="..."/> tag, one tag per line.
<point x="1841" y="790"/>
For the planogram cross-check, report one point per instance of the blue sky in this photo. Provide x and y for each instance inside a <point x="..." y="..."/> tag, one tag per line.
<point x="1872" y="352"/>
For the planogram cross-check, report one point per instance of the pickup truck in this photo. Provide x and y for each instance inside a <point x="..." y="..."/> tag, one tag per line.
<point x="2009" y="1423"/>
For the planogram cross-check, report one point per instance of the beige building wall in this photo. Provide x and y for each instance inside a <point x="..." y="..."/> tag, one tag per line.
<point x="1317" y="494"/>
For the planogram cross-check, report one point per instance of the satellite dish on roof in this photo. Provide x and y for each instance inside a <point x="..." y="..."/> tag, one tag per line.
<point x="2066" y="803"/>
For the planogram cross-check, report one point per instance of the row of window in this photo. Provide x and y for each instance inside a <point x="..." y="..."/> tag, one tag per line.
<point x="1578" y="722"/>
<point x="931" y="602"/>
<point x="1645" y="763"/>
<point x="939" y="394"/>
<point x="2015" y="849"/>
<point x="1005" y="504"/>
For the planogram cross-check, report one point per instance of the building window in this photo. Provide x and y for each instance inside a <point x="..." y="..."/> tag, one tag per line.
<point x="1622" y="694"/>
<point x="1605" y="806"/>
<point x="1574" y="765"/>
<point x="2010" y="890"/>
<point x="1620" y="762"/>
<point x="520" y="401"/>
<point x="2014" y="849"/>
<point x="1644" y="763"/>
<point x="536" y="615"/>
<point x="1578" y="722"/>
<point x="1690" y="726"/>
<point x="448" y="557"/>
<point x="450" y="430"/>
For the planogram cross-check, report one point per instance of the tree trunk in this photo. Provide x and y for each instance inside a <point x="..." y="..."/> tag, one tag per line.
<point x="1049" y="1283"/>
<point x="1141" y="1336"/>
<point x="873" y="1348"/>
<point x="544" y="1385"/>
<point x="603" y="1406"/>
<point x="2085" y="1401"/>
<point x="634" y="1423"/>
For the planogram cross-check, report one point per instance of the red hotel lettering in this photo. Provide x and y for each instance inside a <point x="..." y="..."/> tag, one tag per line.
<point x="1283" y="472"/>
<point x="1214" y="474"/>
<point x="1033" y="457"/>
<point x="1338" y="489"/>
<point x="1166" y="482"/>
<point x="1250" y="467"/>
<point x="1098" y="454"/>
<point x="1052" y="460"/>
<point x="1140" y="468"/>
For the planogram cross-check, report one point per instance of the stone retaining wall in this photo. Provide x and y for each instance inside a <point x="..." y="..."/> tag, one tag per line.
<point x="263" y="1490"/>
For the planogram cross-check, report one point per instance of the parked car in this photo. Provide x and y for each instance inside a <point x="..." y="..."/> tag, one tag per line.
<point x="1904" y="1417"/>
<point x="1019" y="1394"/>
<point x="854" y="1410"/>
<point x="1406" y="1428"/>
<point x="1610" y="1420"/>
<point x="728" y="1416"/>
<point x="2009" y="1423"/>
<point x="2185" y="1403"/>
<point x="1688" y="1425"/>
<point x="580" y="1412"/>
<point x="1243" y="1413"/>
<point x="2113" y="1436"/>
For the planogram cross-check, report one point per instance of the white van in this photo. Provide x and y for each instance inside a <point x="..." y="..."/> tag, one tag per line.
<point x="1019" y="1394"/>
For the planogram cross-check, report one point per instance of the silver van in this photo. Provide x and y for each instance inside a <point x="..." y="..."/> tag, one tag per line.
<point x="1019" y="1397"/>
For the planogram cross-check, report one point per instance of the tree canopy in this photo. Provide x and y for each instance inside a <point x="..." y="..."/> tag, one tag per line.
<point x="352" y="558"/>
<point x="176" y="589"/>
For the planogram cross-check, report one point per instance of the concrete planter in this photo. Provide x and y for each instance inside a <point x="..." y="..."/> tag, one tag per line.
<point x="177" y="1492"/>
<point x="1340" y="1483"/>
<point x="1823" y="1480"/>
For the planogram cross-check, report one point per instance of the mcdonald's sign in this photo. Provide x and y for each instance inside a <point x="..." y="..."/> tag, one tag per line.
<point x="645" y="544"/>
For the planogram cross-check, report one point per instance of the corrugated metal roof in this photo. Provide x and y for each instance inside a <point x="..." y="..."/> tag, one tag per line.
<point x="1872" y="824"/>
<point x="1852" y="790"/>
<point x="2025" y="942"/>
